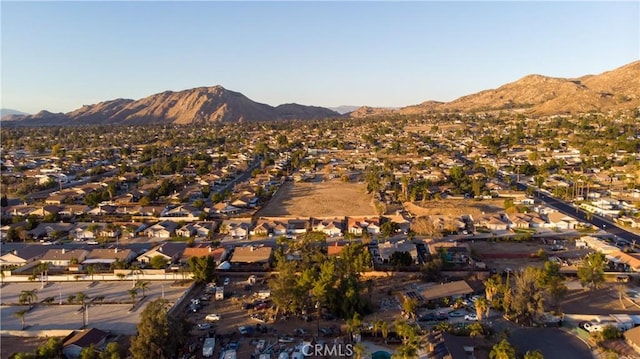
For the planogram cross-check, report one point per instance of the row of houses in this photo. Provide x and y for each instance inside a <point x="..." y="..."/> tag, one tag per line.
<point x="172" y="253"/>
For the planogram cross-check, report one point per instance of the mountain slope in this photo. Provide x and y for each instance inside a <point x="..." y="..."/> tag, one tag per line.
<point x="198" y="105"/>
<point x="614" y="90"/>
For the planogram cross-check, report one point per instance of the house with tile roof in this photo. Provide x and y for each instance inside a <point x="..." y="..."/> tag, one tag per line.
<point x="218" y="253"/>
<point x="63" y="258"/>
<point x="170" y="251"/>
<point x="251" y="254"/>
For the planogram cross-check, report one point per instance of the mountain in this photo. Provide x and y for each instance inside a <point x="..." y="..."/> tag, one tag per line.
<point x="344" y="109"/>
<point x="198" y="105"/>
<point x="614" y="90"/>
<point x="9" y="113"/>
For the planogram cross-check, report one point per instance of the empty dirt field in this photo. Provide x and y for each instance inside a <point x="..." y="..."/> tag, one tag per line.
<point x="455" y="207"/>
<point x="319" y="199"/>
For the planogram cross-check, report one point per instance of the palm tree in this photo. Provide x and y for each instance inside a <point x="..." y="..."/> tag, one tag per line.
<point x="133" y="292"/>
<point x="384" y="329"/>
<point x="81" y="297"/>
<point x="28" y="297"/>
<point x="358" y="350"/>
<point x="502" y="350"/>
<point x="377" y="324"/>
<point x="536" y="354"/>
<point x="135" y="271"/>
<point x="91" y="270"/>
<point x="142" y="285"/>
<point x="492" y="287"/>
<point x="20" y="315"/>
<point x="354" y="324"/>
<point x="405" y="352"/>
<point x="482" y="308"/>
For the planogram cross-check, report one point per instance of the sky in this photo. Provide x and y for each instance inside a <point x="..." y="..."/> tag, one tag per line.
<point x="59" y="56"/>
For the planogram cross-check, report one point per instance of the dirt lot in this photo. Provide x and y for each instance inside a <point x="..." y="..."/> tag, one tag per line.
<point x="319" y="199"/>
<point x="456" y="207"/>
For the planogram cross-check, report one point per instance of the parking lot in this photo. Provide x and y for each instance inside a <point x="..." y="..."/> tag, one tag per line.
<point x="111" y="313"/>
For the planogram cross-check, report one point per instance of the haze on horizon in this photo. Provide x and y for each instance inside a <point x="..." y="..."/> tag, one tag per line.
<point x="59" y="56"/>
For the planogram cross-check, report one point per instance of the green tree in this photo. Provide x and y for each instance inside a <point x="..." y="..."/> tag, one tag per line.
<point x="410" y="306"/>
<point x="502" y="350"/>
<point x="160" y="335"/>
<point x="52" y="348"/>
<point x="533" y="354"/>
<point x="591" y="272"/>
<point x="89" y="352"/>
<point x="112" y="351"/>
<point x="158" y="262"/>
<point x="133" y="293"/>
<point x="20" y="315"/>
<point x="28" y="297"/>
<point x="202" y="268"/>
<point x="400" y="259"/>
<point x="142" y="285"/>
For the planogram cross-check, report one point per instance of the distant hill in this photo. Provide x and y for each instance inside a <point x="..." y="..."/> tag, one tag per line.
<point x="198" y="105"/>
<point x="10" y="112"/>
<point x="618" y="89"/>
<point x="344" y="109"/>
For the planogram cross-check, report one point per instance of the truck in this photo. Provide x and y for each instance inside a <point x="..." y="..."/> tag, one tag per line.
<point x="208" y="347"/>
<point x="623" y="321"/>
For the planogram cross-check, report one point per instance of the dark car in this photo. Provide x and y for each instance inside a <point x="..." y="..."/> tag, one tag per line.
<point x="429" y="317"/>
<point x="442" y="316"/>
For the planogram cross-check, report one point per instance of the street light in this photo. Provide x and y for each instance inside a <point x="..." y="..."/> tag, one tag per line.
<point x="60" y="287"/>
<point x="163" y="291"/>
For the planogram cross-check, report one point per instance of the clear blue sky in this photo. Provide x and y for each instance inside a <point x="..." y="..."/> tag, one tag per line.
<point x="61" y="55"/>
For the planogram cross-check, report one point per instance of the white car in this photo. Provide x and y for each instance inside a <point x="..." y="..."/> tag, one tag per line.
<point x="226" y="281"/>
<point x="212" y="317"/>
<point x="471" y="317"/>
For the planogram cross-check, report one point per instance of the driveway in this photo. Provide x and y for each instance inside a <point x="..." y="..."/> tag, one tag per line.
<point x="554" y="343"/>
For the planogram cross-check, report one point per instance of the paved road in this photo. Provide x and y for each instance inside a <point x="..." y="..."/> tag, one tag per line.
<point x="572" y="211"/>
<point x="554" y="343"/>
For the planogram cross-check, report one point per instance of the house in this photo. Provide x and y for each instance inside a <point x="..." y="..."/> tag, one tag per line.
<point x="50" y="230"/>
<point x="63" y="257"/>
<point x="225" y="209"/>
<point x="236" y="229"/>
<point x="451" y="290"/>
<point x="335" y="249"/>
<point x="164" y="229"/>
<point x="297" y="226"/>
<point x="107" y="256"/>
<point x="561" y="221"/>
<point x="218" y="254"/>
<point x="357" y="226"/>
<point x="198" y="229"/>
<point x="493" y="222"/>
<point x="72" y="347"/>
<point x="632" y="337"/>
<point x="262" y="229"/>
<point x="385" y="250"/>
<point x="72" y="210"/>
<point x="169" y="251"/>
<point x="46" y="211"/>
<point x="441" y="345"/>
<point x="332" y="228"/>
<point x="251" y="254"/>
<point x="183" y="212"/>
<point x="22" y="256"/>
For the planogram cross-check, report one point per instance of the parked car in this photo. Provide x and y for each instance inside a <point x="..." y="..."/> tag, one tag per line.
<point x="471" y="317"/>
<point x="456" y="313"/>
<point x="442" y="316"/>
<point x="212" y="317"/>
<point x="227" y="281"/>
<point x="204" y="326"/>
<point x="429" y="317"/>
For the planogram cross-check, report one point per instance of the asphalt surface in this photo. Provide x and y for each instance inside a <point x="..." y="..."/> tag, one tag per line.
<point x="573" y="211"/>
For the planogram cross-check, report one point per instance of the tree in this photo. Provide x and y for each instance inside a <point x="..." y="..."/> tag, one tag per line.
<point x="202" y="268"/>
<point x="359" y="350"/>
<point x="533" y="354"/>
<point x="503" y="350"/>
<point x="91" y="270"/>
<point x="28" y="297"/>
<point x="20" y="315"/>
<point x="158" y="262"/>
<point x="142" y="285"/>
<point x="89" y="352"/>
<point x="133" y="293"/>
<point x="410" y="306"/>
<point x="482" y="307"/>
<point x="52" y="348"/>
<point x="160" y="335"/>
<point x="112" y="351"/>
<point x="591" y="272"/>
<point x="527" y="295"/>
<point x="400" y="259"/>
<point x="384" y="330"/>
